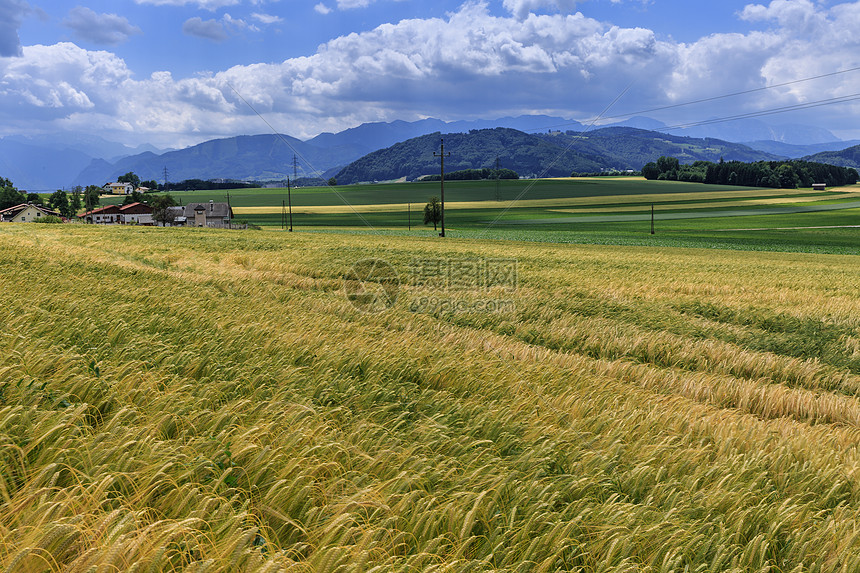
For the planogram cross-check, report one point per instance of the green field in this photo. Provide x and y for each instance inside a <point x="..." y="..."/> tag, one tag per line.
<point x="597" y="211"/>
<point x="205" y="400"/>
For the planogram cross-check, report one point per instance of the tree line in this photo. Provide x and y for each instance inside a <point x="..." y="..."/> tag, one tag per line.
<point x="69" y="204"/>
<point x="475" y="175"/>
<point x="775" y="174"/>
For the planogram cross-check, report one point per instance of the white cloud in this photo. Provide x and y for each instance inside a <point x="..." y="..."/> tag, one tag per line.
<point x="216" y="30"/>
<point x="322" y="9"/>
<point x="349" y="4"/>
<point x="108" y="29"/>
<point x="266" y="19"/>
<point x="50" y="82"/>
<point x="206" y="29"/>
<point x="522" y="8"/>
<point x="205" y="4"/>
<point x="468" y="64"/>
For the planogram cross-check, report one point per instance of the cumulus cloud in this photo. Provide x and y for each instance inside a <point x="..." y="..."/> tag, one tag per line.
<point x="216" y="30"/>
<point x="12" y="12"/>
<point x="348" y="4"/>
<point x="522" y="8"/>
<point x="205" y="4"/>
<point x="108" y="29"/>
<point x="797" y="15"/>
<point x="322" y="9"/>
<point x="266" y="19"/>
<point x="206" y="29"/>
<point x="470" y="63"/>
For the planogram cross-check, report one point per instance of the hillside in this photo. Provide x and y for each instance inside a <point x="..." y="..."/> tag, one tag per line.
<point x="631" y="148"/>
<point x="36" y="168"/>
<point x="799" y="151"/>
<point x="846" y="158"/>
<point x="528" y="155"/>
<point x="243" y="157"/>
<point x="270" y="156"/>
<point x="551" y="155"/>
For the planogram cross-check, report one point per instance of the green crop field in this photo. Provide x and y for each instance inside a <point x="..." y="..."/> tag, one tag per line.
<point x="589" y="210"/>
<point x="216" y="400"/>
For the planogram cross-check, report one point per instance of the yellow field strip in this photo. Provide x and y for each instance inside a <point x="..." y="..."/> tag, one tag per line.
<point x="737" y="203"/>
<point x="537" y="203"/>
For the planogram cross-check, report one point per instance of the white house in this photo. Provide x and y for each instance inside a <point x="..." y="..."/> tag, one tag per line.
<point x="133" y="214"/>
<point x="211" y="214"/>
<point x="26" y="213"/>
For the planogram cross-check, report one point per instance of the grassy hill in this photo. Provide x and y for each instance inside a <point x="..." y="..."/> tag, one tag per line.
<point x="184" y="399"/>
<point x="546" y="155"/>
<point x="526" y="154"/>
<point x="630" y="148"/>
<point x="849" y="157"/>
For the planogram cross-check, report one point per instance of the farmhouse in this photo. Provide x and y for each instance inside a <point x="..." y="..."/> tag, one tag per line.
<point x="119" y="188"/>
<point x="211" y="214"/>
<point x="103" y="216"/>
<point x="25" y="213"/>
<point x="132" y="214"/>
<point x="136" y="214"/>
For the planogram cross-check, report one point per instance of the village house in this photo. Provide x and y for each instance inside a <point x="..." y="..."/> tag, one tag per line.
<point x="132" y="214"/>
<point x="26" y="213"/>
<point x="119" y="188"/>
<point x="211" y="215"/>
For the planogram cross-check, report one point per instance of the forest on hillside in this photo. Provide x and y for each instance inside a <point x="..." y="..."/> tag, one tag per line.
<point x="526" y="154"/>
<point x="776" y="174"/>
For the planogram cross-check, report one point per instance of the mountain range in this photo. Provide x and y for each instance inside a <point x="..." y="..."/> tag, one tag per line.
<point x="554" y="154"/>
<point x="49" y="162"/>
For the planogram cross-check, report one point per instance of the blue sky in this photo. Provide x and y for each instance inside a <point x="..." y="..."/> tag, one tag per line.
<point x="176" y="72"/>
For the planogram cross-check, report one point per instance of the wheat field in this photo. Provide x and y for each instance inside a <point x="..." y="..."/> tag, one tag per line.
<point x="207" y="400"/>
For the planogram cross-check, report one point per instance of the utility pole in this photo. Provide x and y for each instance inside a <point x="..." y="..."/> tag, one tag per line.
<point x="441" y="155"/>
<point x="652" y="218"/>
<point x="283" y="214"/>
<point x="498" y="191"/>
<point x="88" y="205"/>
<point x="409" y="215"/>
<point x="229" y="220"/>
<point x="290" y="199"/>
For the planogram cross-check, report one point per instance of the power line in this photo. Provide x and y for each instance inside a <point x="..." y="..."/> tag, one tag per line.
<point x="569" y="146"/>
<point x="772" y="111"/>
<point x="709" y="99"/>
<point x="298" y="155"/>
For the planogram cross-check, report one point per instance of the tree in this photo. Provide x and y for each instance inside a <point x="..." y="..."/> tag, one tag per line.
<point x="668" y="164"/>
<point x="129" y="177"/>
<point x="59" y="201"/>
<point x="48" y="219"/>
<point x="433" y="212"/>
<point x="75" y="202"/>
<point x="151" y="184"/>
<point x="788" y="179"/>
<point x="332" y="182"/>
<point x="161" y="211"/>
<point x="133" y="197"/>
<point x="9" y="196"/>
<point x="34" y="198"/>
<point x="91" y="197"/>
